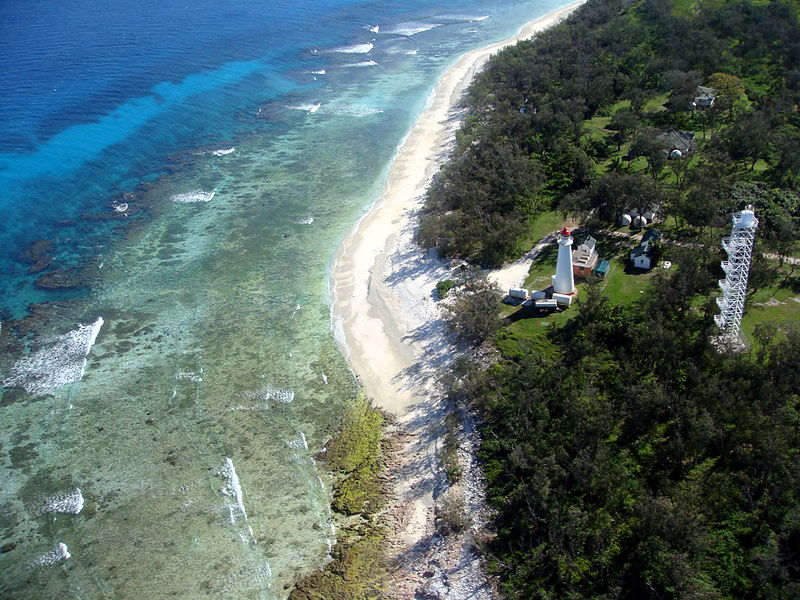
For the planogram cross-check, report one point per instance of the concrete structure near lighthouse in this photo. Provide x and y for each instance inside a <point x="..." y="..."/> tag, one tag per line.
<point x="563" y="280"/>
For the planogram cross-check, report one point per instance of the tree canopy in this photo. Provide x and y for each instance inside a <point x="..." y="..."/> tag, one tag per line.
<point x="624" y="456"/>
<point x="549" y="117"/>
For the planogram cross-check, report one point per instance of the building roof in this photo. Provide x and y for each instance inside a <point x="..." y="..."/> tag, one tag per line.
<point x="651" y="234"/>
<point x="589" y="242"/>
<point x="706" y="94"/>
<point x="678" y="140"/>
<point x="585" y="255"/>
<point x="645" y="246"/>
<point x="641" y="250"/>
<point x="603" y="267"/>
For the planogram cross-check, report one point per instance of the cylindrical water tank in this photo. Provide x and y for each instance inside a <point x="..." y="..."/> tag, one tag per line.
<point x="625" y="220"/>
<point x="640" y="222"/>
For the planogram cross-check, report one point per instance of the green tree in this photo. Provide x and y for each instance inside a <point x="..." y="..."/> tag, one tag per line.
<point x="473" y="315"/>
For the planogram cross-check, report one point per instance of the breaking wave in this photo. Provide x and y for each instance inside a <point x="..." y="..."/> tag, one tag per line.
<point x="337" y="109"/>
<point x="445" y="19"/>
<point x="266" y="395"/>
<point x="56" y="555"/>
<point x="410" y="28"/>
<point x="309" y="108"/>
<point x="61" y="361"/>
<point x="299" y="442"/>
<point x="233" y="491"/>
<point x="68" y="504"/>
<point x="192" y="197"/>
<point x="364" y="63"/>
<point x="342" y="109"/>
<point x="223" y="151"/>
<point x="353" y="49"/>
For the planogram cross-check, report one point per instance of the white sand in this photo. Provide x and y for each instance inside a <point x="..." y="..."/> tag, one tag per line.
<point x="389" y="325"/>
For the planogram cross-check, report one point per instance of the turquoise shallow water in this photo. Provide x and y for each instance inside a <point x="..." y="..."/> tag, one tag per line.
<point x="202" y="210"/>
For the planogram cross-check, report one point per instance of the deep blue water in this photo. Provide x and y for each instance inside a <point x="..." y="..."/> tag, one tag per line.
<point x="191" y="167"/>
<point x="94" y="95"/>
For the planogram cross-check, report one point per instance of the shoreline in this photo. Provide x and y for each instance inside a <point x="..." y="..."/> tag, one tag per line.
<point x="387" y="323"/>
<point x="359" y="302"/>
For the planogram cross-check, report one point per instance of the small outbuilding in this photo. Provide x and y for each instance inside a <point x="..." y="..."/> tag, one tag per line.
<point x="640" y="217"/>
<point x="585" y="257"/>
<point x="677" y="143"/>
<point x="546" y="304"/>
<point x="705" y="98"/>
<point x="642" y="257"/>
<point x="601" y="270"/>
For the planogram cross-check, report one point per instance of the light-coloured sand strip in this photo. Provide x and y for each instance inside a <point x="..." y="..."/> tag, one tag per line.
<point x="390" y="329"/>
<point x="367" y="314"/>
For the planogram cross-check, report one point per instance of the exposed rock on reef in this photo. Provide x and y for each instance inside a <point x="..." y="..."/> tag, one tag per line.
<point x="38" y="321"/>
<point x="39" y="255"/>
<point x="63" y="279"/>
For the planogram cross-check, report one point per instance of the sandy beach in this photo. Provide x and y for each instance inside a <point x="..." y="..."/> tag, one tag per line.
<point x="386" y="318"/>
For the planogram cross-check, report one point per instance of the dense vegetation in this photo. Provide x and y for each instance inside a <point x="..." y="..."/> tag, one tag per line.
<point x="573" y="118"/>
<point x="625" y="456"/>
<point x="629" y="459"/>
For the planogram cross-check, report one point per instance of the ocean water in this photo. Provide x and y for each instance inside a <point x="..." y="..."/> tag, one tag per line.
<point x="175" y="178"/>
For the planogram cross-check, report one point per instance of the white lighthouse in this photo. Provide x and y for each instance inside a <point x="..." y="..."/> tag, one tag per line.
<point x="563" y="280"/>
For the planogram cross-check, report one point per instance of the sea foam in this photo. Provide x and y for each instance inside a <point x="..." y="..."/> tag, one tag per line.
<point x="65" y="503"/>
<point x="309" y="108"/>
<point x="56" y="555"/>
<point x="353" y="48"/>
<point x="223" y="151"/>
<point x="460" y="18"/>
<point x="233" y="490"/>
<point x="193" y="197"/>
<point x="299" y="442"/>
<point x="62" y="360"/>
<point x="410" y="28"/>
<point x="267" y="394"/>
<point x="335" y="109"/>
<point x="282" y="395"/>
<point x="196" y="377"/>
<point x="363" y="63"/>
<point x="342" y="109"/>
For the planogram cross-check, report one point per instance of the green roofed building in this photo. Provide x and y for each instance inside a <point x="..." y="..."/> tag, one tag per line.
<point x="601" y="270"/>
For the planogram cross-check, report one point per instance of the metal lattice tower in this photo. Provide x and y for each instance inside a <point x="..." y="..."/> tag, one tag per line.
<point x="739" y="247"/>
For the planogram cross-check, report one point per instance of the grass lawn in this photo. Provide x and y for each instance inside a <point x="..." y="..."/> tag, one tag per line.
<point x="528" y="326"/>
<point x="656" y="103"/>
<point x="622" y="287"/>
<point x="778" y="304"/>
<point x="594" y="127"/>
<point x="544" y="224"/>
